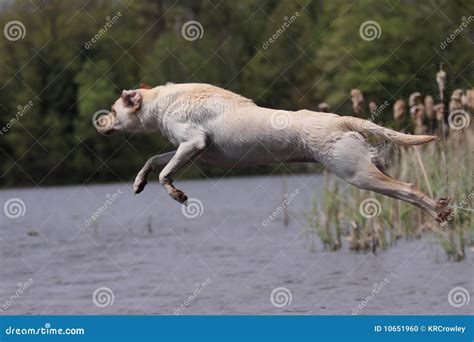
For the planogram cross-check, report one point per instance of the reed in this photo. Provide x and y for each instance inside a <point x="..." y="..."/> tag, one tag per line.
<point x="441" y="169"/>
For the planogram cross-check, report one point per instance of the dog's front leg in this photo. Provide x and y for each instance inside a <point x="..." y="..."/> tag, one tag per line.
<point x="156" y="164"/>
<point x="185" y="153"/>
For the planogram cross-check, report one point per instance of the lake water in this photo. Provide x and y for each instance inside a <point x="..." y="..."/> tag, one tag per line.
<point x="141" y="255"/>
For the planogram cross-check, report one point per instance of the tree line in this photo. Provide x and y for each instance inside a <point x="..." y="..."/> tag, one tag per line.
<point x="65" y="60"/>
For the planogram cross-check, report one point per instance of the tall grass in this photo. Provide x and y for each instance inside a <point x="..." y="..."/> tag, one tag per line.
<point x="441" y="169"/>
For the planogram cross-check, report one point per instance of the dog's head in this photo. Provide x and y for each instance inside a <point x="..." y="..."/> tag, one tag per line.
<point x="124" y="115"/>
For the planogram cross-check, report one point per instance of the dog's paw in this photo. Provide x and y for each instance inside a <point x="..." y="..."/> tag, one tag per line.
<point x="179" y="196"/>
<point x="444" y="216"/>
<point x="139" y="185"/>
<point x="443" y="202"/>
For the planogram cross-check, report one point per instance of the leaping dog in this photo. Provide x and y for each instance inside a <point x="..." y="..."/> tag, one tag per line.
<point x="220" y="127"/>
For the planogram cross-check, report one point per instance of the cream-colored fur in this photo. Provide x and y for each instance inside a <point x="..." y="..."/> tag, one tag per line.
<point x="220" y="127"/>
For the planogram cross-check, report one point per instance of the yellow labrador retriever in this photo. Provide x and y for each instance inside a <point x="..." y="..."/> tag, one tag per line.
<point x="223" y="128"/>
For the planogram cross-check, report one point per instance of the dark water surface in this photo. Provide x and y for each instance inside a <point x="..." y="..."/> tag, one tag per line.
<point x="228" y="260"/>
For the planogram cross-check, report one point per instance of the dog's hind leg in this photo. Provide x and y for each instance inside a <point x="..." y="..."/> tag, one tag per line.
<point x="350" y="159"/>
<point x="374" y="180"/>
<point x="154" y="164"/>
<point x="186" y="152"/>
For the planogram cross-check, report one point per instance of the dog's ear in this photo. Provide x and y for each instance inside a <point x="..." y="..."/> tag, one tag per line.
<point x="145" y="86"/>
<point x="132" y="98"/>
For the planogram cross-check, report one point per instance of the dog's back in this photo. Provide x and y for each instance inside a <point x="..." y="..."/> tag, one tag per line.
<point x="201" y="98"/>
<point x="227" y="129"/>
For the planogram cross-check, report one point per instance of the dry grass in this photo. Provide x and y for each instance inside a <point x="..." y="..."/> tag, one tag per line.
<point x="441" y="169"/>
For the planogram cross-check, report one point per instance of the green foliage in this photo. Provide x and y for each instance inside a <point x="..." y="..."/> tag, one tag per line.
<point x="318" y="57"/>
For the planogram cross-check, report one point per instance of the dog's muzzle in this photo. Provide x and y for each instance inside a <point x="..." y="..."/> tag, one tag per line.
<point x="104" y="124"/>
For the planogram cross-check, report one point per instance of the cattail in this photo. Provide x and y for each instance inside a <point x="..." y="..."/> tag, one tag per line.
<point x="441" y="80"/>
<point x="429" y="113"/>
<point x="417" y="113"/>
<point x="372" y="107"/>
<point x="439" y="116"/>
<point x="415" y="99"/>
<point x="439" y="112"/>
<point x="469" y="100"/>
<point x="323" y="107"/>
<point x="429" y="106"/>
<point x="456" y="100"/>
<point x="357" y="101"/>
<point x="399" y="108"/>
<point x="418" y="116"/>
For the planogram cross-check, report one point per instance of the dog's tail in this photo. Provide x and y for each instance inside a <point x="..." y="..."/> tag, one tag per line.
<point x="365" y="126"/>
